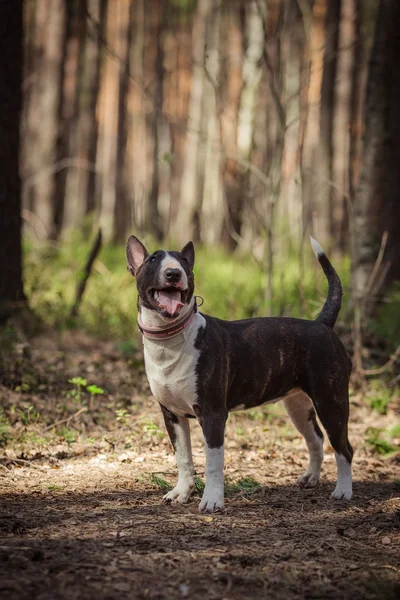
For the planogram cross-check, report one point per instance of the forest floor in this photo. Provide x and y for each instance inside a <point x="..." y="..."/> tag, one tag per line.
<point x="82" y="478"/>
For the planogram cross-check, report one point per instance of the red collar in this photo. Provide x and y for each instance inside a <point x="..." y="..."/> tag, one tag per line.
<point x="165" y="333"/>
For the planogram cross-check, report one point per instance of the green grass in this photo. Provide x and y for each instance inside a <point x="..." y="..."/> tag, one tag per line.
<point x="379" y="396"/>
<point x="160" y="482"/>
<point x="384" y="441"/>
<point x="245" y="486"/>
<point x="233" y="287"/>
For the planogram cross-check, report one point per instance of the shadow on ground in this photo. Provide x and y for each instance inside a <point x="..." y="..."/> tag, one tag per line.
<point x="280" y="542"/>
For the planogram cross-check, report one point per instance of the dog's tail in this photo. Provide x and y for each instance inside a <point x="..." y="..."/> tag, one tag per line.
<point x="331" y="308"/>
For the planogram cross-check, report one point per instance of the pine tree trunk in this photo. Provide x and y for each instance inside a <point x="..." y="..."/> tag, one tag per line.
<point x="373" y="185"/>
<point x="232" y="69"/>
<point x="11" y="40"/>
<point x="47" y="112"/>
<point x="122" y="214"/>
<point x="342" y="122"/>
<point x="310" y="151"/>
<point x="325" y="157"/>
<point x="88" y="129"/>
<point x="66" y="207"/>
<point x="155" y="18"/>
<point x="184" y="223"/>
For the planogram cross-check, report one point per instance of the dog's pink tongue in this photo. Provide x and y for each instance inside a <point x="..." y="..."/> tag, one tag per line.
<point x="170" y="300"/>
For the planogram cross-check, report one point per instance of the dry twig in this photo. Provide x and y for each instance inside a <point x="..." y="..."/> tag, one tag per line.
<point x="86" y="274"/>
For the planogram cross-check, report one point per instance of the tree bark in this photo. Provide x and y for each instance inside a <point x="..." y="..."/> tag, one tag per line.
<point x="184" y="224"/>
<point x="373" y="186"/>
<point x="46" y="112"/>
<point x="325" y="164"/>
<point x="232" y="69"/>
<point x="311" y="184"/>
<point x="11" y="39"/>
<point x="66" y="206"/>
<point x="155" y="116"/>
<point x="391" y="212"/>
<point x="122" y="214"/>
<point x="236" y="194"/>
<point x="88" y="129"/>
<point x="342" y="122"/>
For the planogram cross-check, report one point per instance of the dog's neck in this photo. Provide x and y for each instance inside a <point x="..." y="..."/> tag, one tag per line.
<point x="154" y="327"/>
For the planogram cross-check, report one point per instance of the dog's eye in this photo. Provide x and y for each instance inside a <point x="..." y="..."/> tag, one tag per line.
<point x="152" y="258"/>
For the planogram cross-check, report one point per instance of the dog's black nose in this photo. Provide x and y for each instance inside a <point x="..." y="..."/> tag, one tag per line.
<point x="173" y="275"/>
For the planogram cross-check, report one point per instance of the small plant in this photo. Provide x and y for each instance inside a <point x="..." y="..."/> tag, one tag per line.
<point x="24" y="387"/>
<point x="94" y="390"/>
<point x="69" y="435"/>
<point x="121" y="415"/>
<point x="4" y="429"/>
<point x="246" y="486"/>
<point x="380" y="397"/>
<point x="152" y="429"/>
<point x="29" y="415"/>
<point x="78" y="383"/>
<point x="199" y="485"/>
<point x="160" y="482"/>
<point x="80" y="386"/>
<point x="380" y="445"/>
<point x="53" y="487"/>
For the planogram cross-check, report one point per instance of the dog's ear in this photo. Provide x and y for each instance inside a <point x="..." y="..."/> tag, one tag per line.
<point x="188" y="253"/>
<point x="136" y="254"/>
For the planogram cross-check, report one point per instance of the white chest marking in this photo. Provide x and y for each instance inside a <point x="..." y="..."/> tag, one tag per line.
<point x="171" y="369"/>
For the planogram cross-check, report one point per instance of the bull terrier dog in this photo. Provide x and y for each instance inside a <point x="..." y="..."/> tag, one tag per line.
<point x="203" y="367"/>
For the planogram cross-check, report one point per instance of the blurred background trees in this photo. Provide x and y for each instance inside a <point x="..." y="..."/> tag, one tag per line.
<point x="243" y="124"/>
<point x="237" y="122"/>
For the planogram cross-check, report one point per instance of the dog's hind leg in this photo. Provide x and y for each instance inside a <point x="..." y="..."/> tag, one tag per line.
<point x="332" y="408"/>
<point x="179" y="433"/>
<point x="301" y="411"/>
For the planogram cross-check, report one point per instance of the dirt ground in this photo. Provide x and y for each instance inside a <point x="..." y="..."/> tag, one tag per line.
<point x="82" y="479"/>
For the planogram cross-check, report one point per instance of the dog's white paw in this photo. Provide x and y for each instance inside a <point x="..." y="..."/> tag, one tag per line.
<point x="342" y="493"/>
<point x="212" y="500"/>
<point x="180" y="494"/>
<point x="308" y="480"/>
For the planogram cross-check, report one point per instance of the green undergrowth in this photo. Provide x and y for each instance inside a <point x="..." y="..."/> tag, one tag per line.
<point x="232" y="285"/>
<point x="385" y="442"/>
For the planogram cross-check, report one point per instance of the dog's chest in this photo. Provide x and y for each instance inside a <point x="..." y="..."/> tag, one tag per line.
<point x="171" y="369"/>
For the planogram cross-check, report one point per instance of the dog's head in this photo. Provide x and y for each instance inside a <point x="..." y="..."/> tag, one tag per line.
<point x="164" y="280"/>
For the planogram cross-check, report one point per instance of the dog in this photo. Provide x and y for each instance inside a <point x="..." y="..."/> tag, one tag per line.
<point x="203" y="367"/>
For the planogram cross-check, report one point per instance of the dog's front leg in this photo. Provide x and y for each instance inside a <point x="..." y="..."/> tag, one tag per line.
<point x="179" y="433"/>
<point x="213" y="426"/>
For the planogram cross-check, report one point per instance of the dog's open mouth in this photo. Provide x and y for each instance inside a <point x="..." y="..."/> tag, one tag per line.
<point x="169" y="300"/>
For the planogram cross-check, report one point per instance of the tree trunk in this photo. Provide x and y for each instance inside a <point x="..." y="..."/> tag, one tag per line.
<point x="311" y="184"/>
<point x="232" y="68"/>
<point x="122" y="215"/>
<point x="88" y="130"/>
<point x="373" y="185"/>
<point x="11" y="40"/>
<point x="117" y="29"/>
<point x="184" y="224"/>
<point x="391" y="212"/>
<point x="155" y="48"/>
<point x="342" y="122"/>
<point x="326" y="194"/>
<point x="47" y="111"/>
<point x="245" y="127"/>
<point x="66" y="207"/>
<point x="210" y="208"/>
